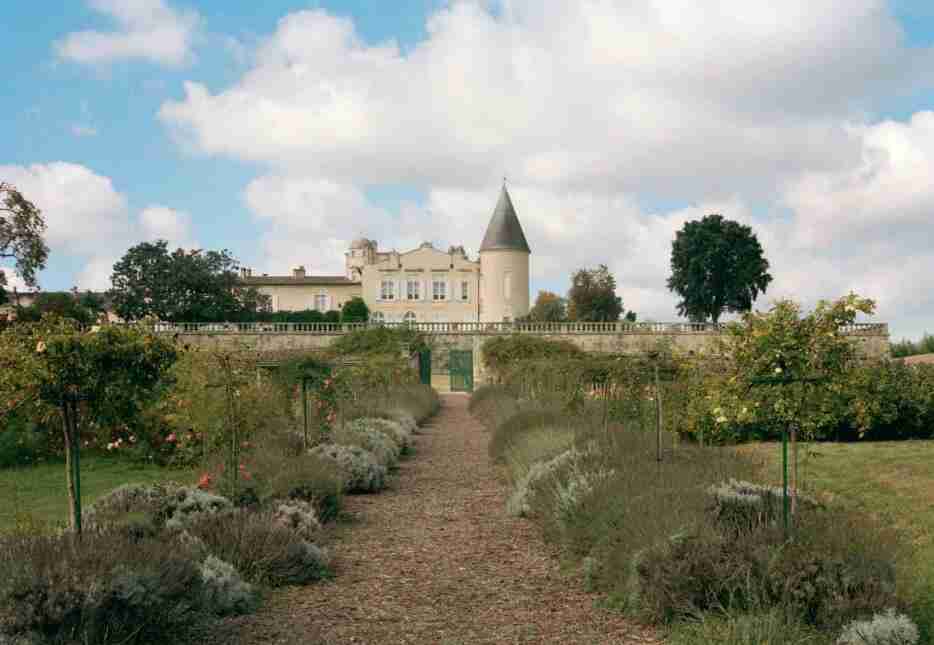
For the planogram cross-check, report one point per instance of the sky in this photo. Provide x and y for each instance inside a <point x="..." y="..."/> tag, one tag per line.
<point x="284" y="129"/>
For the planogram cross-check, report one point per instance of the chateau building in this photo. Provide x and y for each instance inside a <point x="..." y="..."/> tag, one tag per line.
<point x="422" y="285"/>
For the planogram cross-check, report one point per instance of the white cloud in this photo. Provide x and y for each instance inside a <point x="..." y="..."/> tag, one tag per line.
<point x="146" y="29"/>
<point x="88" y="221"/>
<point x="644" y="95"/>
<point x="759" y="110"/>
<point x="164" y="223"/>
<point x="81" y="208"/>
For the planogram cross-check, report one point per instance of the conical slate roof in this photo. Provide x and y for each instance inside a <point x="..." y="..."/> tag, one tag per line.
<point x="504" y="232"/>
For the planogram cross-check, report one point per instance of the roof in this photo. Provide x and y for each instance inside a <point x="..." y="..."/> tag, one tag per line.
<point x="504" y="231"/>
<point x="277" y="280"/>
<point x="919" y="359"/>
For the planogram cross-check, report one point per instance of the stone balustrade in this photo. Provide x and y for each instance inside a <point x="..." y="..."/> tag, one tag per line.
<point x="473" y="328"/>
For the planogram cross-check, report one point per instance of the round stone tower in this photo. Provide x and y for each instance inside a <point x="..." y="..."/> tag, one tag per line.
<point x="504" y="265"/>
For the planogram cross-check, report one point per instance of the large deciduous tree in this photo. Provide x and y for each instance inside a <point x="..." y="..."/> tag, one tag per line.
<point x="21" y="237"/>
<point x="53" y="367"/>
<point x="592" y="297"/>
<point x="181" y="286"/>
<point x="549" y="307"/>
<point x="717" y="265"/>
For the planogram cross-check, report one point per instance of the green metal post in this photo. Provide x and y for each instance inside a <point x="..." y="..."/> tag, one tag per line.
<point x="785" y="480"/>
<point x="658" y="416"/>
<point x="305" y="410"/>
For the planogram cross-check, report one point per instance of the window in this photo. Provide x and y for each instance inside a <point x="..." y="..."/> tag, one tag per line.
<point x="387" y="290"/>
<point x="465" y="291"/>
<point x="439" y="290"/>
<point x="409" y="317"/>
<point x="507" y="286"/>
<point x="321" y="302"/>
<point x="412" y="289"/>
<point x="377" y="317"/>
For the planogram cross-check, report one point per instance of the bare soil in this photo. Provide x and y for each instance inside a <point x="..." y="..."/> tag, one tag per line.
<point x="435" y="559"/>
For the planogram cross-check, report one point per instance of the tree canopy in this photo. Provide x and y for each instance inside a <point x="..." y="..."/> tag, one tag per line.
<point x="105" y="376"/>
<point x="83" y="309"/>
<point x="181" y="286"/>
<point x="717" y="265"/>
<point x="592" y="297"/>
<point x="549" y="307"/>
<point x="21" y="237"/>
<point x="355" y="310"/>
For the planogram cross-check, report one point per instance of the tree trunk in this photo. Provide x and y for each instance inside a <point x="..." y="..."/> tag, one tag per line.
<point x="72" y="464"/>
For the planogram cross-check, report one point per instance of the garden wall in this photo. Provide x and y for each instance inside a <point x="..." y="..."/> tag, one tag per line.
<point x="872" y="339"/>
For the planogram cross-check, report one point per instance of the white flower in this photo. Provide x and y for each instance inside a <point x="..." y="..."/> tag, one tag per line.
<point x="721" y="419"/>
<point x="778" y="370"/>
<point x="40" y="347"/>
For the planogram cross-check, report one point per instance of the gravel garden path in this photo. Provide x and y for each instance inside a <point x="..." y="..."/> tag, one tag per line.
<point x="435" y="559"/>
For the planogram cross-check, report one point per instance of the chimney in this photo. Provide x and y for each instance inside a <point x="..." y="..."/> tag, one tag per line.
<point x="299" y="272"/>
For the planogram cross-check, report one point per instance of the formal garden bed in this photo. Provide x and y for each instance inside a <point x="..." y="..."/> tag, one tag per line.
<point x="209" y="478"/>
<point x="630" y="465"/>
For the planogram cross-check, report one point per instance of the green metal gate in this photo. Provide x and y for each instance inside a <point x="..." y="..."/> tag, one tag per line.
<point x="461" y="366"/>
<point x="424" y="366"/>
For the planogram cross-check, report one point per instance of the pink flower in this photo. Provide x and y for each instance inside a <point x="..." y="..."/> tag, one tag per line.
<point x="171" y="438"/>
<point x="205" y="481"/>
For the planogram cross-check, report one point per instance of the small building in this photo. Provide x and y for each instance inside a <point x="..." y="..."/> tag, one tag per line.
<point x="425" y="284"/>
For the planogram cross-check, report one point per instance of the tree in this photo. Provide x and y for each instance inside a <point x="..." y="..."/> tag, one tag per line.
<point x="21" y="229"/>
<point x="182" y="286"/>
<point x="592" y="297"/>
<point x="716" y="265"/>
<point x="355" y="310"/>
<point x="103" y="377"/>
<point x="61" y="304"/>
<point x="789" y="370"/>
<point x="548" y="307"/>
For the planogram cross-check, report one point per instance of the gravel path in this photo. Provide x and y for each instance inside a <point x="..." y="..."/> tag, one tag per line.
<point x="435" y="559"/>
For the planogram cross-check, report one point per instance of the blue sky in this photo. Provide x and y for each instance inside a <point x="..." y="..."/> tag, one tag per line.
<point x="283" y="129"/>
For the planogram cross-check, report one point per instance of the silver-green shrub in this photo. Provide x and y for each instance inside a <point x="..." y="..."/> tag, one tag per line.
<point x="361" y="433"/>
<point x="570" y="490"/>
<point x="186" y="506"/>
<point x="886" y="628"/>
<point x="518" y="502"/>
<point x="127" y="501"/>
<point x="745" y="505"/>
<point x="362" y="472"/>
<point x="394" y="430"/>
<point x="224" y="591"/>
<point x="297" y="515"/>
<point x="404" y="419"/>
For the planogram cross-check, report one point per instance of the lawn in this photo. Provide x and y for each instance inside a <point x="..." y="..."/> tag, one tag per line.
<point x="893" y="480"/>
<point x="37" y="494"/>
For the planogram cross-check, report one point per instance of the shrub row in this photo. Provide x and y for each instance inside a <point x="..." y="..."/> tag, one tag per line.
<point x="690" y="542"/>
<point x="879" y="401"/>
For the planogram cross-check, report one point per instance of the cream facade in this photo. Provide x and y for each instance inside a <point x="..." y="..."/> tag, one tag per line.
<point x="298" y="292"/>
<point x="422" y="285"/>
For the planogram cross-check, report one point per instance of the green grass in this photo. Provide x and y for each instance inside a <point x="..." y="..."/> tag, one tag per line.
<point x="37" y="494"/>
<point x="892" y="480"/>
